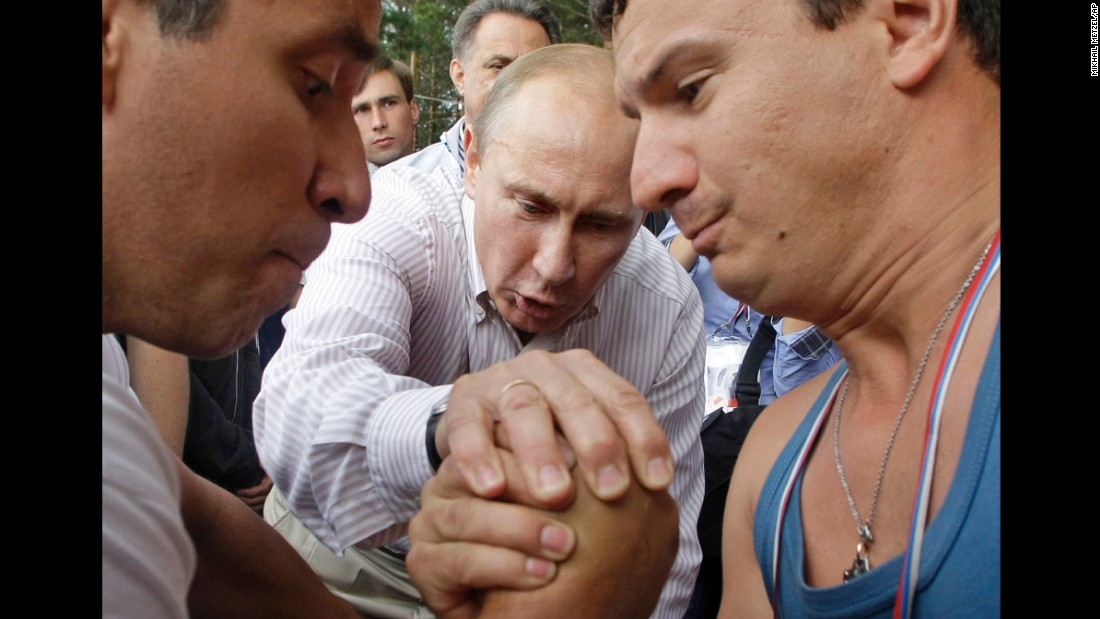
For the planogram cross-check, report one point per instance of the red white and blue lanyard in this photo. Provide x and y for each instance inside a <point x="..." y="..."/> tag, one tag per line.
<point x="910" y="572"/>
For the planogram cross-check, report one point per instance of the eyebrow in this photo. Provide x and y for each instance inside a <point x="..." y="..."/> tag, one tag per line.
<point x="502" y="57"/>
<point x="608" y="215"/>
<point x="678" y="51"/>
<point x="659" y="68"/>
<point x="600" y="213"/>
<point x="645" y="84"/>
<point x="378" y="101"/>
<point x="522" y="189"/>
<point x="684" y="50"/>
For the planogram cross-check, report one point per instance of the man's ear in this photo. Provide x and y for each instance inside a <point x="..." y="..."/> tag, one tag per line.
<point x="415" y="111"/>
<point x="113" y="37"/>
<point x="473" y="161"/>
<point x="458" y="77"/>
<point x="921" y="32"/>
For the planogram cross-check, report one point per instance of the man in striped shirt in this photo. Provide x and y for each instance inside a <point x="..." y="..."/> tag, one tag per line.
<point x="544" y="286"/>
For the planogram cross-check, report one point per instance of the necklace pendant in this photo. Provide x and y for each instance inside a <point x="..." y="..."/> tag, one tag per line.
<point x="862" y="564"/>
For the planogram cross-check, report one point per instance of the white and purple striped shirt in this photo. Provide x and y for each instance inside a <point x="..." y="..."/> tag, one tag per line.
<point x="396" y="309"/>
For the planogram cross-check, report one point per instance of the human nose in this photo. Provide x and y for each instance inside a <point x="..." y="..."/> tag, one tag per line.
<point x="340" y="187"/>
<point x="663" y="171"/>
<point x="554" y="258"/>
<point x="378" y="120"/>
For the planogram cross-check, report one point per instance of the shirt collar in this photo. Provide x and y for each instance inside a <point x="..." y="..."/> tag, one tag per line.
<point x="455" y="142"/>
<point x="476" y="277"/>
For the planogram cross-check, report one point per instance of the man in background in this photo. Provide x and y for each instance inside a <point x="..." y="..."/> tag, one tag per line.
<point x="488" y="36"/>
<point x="386" y="112"/>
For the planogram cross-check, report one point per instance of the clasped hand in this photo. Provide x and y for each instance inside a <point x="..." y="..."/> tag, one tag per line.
<point x="509" y="439"/>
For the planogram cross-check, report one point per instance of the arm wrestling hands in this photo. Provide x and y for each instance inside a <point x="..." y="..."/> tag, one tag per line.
<point x="482" y="558"/>
<point x="605" y="421"/>
<point x="245" y="568"/>
<point x="478" y="551"/>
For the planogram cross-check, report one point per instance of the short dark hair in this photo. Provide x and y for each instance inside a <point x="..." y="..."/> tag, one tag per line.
<point x="472" y="15"/>
<point x="399" y="69"/>
<point x="187" y="19"/>
<point x="978" y="20"/>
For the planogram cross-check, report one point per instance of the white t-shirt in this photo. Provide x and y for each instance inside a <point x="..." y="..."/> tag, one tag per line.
<point x="148" y="558"/>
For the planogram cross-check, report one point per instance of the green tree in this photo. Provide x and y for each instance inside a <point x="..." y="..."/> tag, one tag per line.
<point x="418" y="32"/>
<point x="576" y="25"/>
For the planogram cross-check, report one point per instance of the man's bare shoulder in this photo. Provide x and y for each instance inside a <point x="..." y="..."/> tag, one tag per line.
<point x="773" y="430"/>
<point x="743" y="585"/>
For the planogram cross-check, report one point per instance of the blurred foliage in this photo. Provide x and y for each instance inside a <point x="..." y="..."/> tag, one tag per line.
<point x="418" y="32"/>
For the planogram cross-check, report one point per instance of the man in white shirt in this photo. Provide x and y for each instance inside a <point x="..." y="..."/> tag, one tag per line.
<point x="429" y="288"/>
<point x="488" y="36"/>
<point x="386" y="112"/>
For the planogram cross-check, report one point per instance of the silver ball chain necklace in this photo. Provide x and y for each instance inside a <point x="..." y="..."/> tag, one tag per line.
<point x="862" y="563"/>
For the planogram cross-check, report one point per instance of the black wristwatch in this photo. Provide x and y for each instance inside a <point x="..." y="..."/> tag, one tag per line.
<point x="429" y="435"/>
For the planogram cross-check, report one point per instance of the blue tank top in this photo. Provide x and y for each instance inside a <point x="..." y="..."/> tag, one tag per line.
<point x="960" y="567"/>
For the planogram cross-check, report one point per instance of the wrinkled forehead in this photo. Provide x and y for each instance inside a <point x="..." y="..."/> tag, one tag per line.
<point x="573" y="153"/>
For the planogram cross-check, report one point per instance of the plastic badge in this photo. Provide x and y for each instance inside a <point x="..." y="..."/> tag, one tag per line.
<point x="724" y="357"/>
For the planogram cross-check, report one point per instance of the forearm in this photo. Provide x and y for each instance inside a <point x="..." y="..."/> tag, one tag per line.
<point x="245" y="568"/>
<point x="344" y="442"/>
<point x="160" y="379"/>
<point x="339" y="423"/>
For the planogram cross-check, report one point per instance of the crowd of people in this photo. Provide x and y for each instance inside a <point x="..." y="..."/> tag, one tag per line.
<point x="481" y="394"/>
